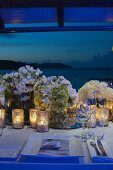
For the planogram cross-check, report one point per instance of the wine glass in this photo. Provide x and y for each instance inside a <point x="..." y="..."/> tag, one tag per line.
<point x="97" y="133"/>
<point x="83" y="115"/>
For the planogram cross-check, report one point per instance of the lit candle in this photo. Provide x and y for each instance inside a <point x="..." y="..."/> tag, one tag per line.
<point x="105" y="116"/>
<point x="42" y="121"/>
<point x="102" y="116"/>
<point x="70" y="109"/>
<point x="18" y="118"/>
<point x="2" y="117"/>
<point x="33" y="117"/>
<point x="109" y="104"/>
<point x="98" y="116"/>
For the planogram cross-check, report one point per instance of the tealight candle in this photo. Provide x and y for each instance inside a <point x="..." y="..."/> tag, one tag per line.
<point x="33" y="117"/>
<point x="42" y="121"/>
<point x="70" y="109"/>
<point x="105" y="116"/>
<point x="18" y="118"/>
<point x="102" y="116"/>
<point x="2" y="117"/>
<point x="109" y="104"/>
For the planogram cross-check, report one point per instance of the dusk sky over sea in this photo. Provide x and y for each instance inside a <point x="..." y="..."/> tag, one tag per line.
<point x="60" y="47"/>
<point x="64" y="47"/>
<point x="89" y="53"/>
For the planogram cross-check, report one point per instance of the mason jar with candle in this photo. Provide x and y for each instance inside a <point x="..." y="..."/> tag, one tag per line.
<point x="2" y="118"/>
<point x="102" y="116"/>
<point x="33" y="117"/>
<point x="18" y="118"/>
<point x="109" y="105"/>
<point x="43" y="121"/>
<point x="105" y="116"/>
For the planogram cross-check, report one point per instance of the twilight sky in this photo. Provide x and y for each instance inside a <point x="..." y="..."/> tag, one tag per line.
<point x="60" y="47"/>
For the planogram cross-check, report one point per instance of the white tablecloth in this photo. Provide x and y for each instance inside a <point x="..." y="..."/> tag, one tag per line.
<point x="20" y="136"/>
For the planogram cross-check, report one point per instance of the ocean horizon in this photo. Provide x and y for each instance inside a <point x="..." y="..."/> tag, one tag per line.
<point x="77" y="76"/>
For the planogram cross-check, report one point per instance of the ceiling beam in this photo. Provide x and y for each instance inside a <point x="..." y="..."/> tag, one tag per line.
<point x="56" y="29"/>
<point x="55" y="3"/>
<point x="2" y="25"/>
<point x="60" y="16"/>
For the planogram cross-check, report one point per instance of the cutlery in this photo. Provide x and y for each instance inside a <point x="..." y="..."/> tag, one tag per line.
<point x="101" y="148"/>
<point x="93" y="144"/>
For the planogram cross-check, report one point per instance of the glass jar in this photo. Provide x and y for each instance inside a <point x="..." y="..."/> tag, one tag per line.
<point x="18" y="118"/>
<point x="42" y="121"/>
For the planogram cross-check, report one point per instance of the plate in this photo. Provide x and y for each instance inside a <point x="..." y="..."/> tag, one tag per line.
<point x="34" y="143"/>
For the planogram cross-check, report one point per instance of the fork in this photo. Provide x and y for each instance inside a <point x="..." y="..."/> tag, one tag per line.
<point x="93" y="144"/>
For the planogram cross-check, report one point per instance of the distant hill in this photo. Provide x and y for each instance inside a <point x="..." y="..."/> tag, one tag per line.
<point x="8" y="64"/>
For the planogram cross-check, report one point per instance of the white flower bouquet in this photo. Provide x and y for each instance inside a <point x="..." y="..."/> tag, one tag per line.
<point x="92" y="89"/>
<point x="56" y="93"/>
<point x="18" y="88"/>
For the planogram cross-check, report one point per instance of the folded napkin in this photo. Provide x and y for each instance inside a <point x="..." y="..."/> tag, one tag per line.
<point x="97" y="158"/>
<point x="51" y="144"/>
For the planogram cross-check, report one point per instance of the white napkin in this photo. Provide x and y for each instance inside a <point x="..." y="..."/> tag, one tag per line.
<point x="51" y="144"/>
<point x="96" y="158"/>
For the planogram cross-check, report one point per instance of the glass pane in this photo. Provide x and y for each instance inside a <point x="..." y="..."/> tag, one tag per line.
<point x="85" y="14"/>
<point x="79" y="56"/>
<point x="28" y="15"/>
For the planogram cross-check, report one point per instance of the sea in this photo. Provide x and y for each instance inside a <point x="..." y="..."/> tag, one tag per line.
<point x="77" y="76"/>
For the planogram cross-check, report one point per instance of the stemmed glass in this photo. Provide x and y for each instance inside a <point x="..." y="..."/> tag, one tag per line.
<point x="97" y="133"/>
<point x="83" y="115"/>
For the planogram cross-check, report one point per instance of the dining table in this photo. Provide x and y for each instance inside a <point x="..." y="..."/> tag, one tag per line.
<point x="18" y="138"/>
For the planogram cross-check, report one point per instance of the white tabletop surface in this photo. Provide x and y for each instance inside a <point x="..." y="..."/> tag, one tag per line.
<point x="21" y="136"/>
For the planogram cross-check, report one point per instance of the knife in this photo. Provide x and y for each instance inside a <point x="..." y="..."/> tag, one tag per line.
<point x="101" y="148"/>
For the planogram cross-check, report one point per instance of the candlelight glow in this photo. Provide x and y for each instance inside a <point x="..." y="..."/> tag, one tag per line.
<point x="33" y="114"/>
<point x="18" y="118"/>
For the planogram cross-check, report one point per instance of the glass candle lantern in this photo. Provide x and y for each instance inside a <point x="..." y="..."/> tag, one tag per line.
<point x="102" y="116"/>
<point x="18" y="118"/>
<point x="70" y="109"/>
<point x="98" y="116"/>
<point x="109" y="104"/>
<point x="33" y="117"/>
<point x="2" y="118"/>
<point x="105" y="116"/>
<point x="42" y="121"/>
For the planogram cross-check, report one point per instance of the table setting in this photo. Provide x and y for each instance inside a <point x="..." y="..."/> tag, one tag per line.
<point x="45" y="120"/>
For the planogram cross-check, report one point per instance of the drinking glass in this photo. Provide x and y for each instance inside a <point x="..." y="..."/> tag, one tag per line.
<point x="83" y="115"/>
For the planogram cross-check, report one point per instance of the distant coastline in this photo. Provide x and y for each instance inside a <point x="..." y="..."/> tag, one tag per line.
<point x="13" y="65"/>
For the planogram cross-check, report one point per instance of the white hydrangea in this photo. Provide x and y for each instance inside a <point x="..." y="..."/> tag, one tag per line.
<point x="2" y="89"/>
<point x="47" y="84"/>
<point x="93" y="89"/>
<point x="72" y="92"/>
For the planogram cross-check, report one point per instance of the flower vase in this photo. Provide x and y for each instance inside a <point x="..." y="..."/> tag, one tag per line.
<point x="63" y="120"/>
